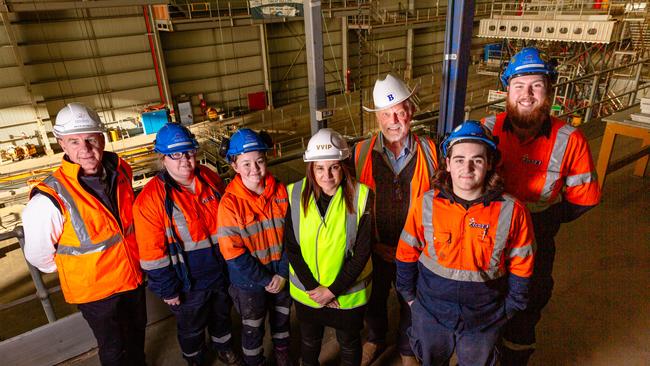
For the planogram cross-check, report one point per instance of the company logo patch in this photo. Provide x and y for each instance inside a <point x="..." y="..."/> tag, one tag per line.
<point x="526" y="160"/>
<point x="476" y="225"/>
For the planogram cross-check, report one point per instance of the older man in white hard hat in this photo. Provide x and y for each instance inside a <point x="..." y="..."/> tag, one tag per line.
<point x="79" y="221"/>
<point x="398" y="166"/>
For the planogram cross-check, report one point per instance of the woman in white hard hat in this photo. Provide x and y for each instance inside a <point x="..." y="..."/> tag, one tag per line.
<point x="176" y="230"/>
<point x="328" y="240"/>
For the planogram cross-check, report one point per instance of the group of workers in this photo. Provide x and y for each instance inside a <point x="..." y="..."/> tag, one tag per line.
<point x="466" y="240"/>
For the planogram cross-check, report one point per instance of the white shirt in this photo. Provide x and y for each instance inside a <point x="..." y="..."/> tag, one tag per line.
<point x="43" y="225"/>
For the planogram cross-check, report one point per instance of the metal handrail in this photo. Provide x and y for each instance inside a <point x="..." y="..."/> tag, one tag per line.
<point x="42" y="292"/>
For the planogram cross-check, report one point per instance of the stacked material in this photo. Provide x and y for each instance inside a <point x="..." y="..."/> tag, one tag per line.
<point x="644" y="116"/>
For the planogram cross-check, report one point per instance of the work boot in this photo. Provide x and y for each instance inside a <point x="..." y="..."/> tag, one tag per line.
<point x="409" y="361"/>
<point x="370" y="352"/>
<point x="229" y="358"/>
<point x="281" y="355"/>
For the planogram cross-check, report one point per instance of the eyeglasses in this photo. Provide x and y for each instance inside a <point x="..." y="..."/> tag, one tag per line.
<point x="178" y="155"/>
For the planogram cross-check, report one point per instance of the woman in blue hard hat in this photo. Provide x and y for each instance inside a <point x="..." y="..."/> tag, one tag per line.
<point x="251" y="229"/>
<point x="176" y="230"/>
<point x="328" y="240"/>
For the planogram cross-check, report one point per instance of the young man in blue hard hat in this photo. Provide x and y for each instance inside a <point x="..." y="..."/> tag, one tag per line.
<point x="251" y="232"/>
<point x="465" y="255"/>
<point x="79" y="222"/>
<point x="176" y="229"/>
<point x="548" y="166"/>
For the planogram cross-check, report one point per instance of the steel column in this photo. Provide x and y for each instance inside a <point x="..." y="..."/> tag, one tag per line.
<point x="456" y="57"/>
<point x="315" y="66"/>
<point x="408" y="70"/>
<point x="265" y="67"/>
<point x="161" y="62"/>
<point x="344" y="53"/>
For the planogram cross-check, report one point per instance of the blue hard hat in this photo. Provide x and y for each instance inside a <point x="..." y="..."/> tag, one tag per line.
<point x="244" y="140"/>
<point x="173" y="138"/>
<point x="528" y="61"/>
<point x="467" y="131"/>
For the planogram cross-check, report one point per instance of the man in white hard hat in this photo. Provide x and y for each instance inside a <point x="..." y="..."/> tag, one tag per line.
<point x="398" y="166"/>
<point x="79" y="221"/>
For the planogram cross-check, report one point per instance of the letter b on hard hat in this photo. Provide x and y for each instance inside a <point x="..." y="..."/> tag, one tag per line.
<point x="389" y="92"/>
<point x="77" y="118"/>
<point x="326" y="144"/>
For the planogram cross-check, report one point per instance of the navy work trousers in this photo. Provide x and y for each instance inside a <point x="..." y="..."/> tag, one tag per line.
<point x="118" y="323"/>
<point x="434" y="343"/>
<point x="200" y="309"/>
<point x="253" y="305"/>
<point x="383" y="278"/>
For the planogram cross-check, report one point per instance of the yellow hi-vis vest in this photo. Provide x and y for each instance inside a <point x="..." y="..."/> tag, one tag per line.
<point x="325" y="241"/>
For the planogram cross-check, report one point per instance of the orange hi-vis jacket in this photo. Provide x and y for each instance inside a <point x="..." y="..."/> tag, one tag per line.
<point x="95" y="257"/>
<point x="195" y="224"/>
<point x="425" y="165"/>
<point x="546" y="169"/>
<point x="459" y="250"/>
<point x="251" y="232"/>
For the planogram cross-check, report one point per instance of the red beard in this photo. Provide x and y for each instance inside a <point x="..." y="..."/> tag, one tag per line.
<point x="528" y="120"/>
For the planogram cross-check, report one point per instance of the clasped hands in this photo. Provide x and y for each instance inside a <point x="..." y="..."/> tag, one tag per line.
<point x="324" y="297"/>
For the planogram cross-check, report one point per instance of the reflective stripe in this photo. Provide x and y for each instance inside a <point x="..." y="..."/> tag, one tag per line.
<point x="522" y="252"/>
<point x="555" y="162"/>
<point x="225" y="231"/>
<point x="364" y="150"/>
<point x="503" y="229"/>
<point x="252" y="352"/>
<point x="518" y="347"/>
<point x="222" y="339"/>
<point x="409" y="239"/>
<point x="183" y="232"/>
<point x="268" y="252"/>
<point x="358" y="286"/>
<point x="489" y="122"/>
<point x="281" y="335"/>
<point x="191" y="354"/>
<point x="428" y="155"/>
<point x="130" y="230"/>
<point x="579" y="179"/>
<point x="461" y="274"/>
<point x="430" y="259"/>
<point x="259" y="226"/>
<point x="282" y="310"/>
<point x="155" y="264"/>
<point x="253" y="323"/>
<point x="89" y="248"/>
<point x="295" y="208"/>
<point x="351" y="223"/>
<point x="427" y="223"/>
<point x="75" y="219"/>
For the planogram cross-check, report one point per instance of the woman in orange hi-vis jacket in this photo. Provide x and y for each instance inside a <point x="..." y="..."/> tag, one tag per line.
<point x="176" y="231"/>
<point x="465" y="256"/>
<point x="251" y="228"/>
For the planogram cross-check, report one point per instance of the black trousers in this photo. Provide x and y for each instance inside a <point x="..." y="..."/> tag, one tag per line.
<point x="383" y="277"/>
<point x="311" y="337"/>
<point x="118" y="323"/>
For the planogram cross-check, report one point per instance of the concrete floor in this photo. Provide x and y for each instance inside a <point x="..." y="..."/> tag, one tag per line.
<point x="599" y="313"/>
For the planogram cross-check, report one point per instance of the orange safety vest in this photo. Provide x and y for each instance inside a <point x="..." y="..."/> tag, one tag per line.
<point x="478" y="244"/>
<point x="425" y="165"/>
<point x="253" y="224"/>
<point x="94" y="256"/>
<point x="544" y="170"/>
<point x="194" y="218"/>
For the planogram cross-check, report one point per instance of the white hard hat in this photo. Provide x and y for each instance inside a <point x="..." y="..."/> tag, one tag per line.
<point x="326" y="144"/>
<point x="389" y="92"/>
<point x="77" y="118"/>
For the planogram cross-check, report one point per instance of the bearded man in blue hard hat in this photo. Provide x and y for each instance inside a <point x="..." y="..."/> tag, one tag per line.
<point x="176" y="229"/>
<point x="79" y="222"/>
<point x="548" y="166"/>
<point x="465" y="256"/>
